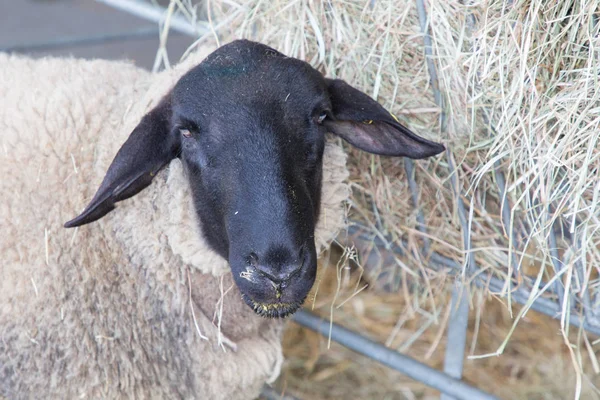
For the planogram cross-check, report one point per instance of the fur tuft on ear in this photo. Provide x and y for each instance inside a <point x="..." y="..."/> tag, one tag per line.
<point x="365" y="124"/>
<point x="151" y="145"/>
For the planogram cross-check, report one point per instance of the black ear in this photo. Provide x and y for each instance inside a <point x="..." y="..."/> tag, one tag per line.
<point x="151" y="145"/>
<point x="365" y="124"/>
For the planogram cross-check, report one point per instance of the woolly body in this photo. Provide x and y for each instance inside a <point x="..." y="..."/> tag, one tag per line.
<point x="116" y="309"/>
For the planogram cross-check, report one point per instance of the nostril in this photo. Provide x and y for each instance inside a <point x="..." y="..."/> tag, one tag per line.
<point x="253" y="260"/>
<point x="296" y="270"/>
<point x="279" y="276"/>
<point x="278" y="266"/>
<point x="270" y="274"/>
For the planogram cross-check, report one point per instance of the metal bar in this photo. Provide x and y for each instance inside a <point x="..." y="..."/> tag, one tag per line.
<point x="428" y="56"/>
<point x="458" y="323"/>
<point x="506" y="212"/>
<point x="399" y="362"/>
<point x="580" y="271"/>
<point x="498" y="174"/>
<point x="409" y="167"/>
<point x="268" y="393"/>
<point x="457" y="333"/>
<point x="153" y="13"/>
<point x="485" y="280"/>
<point x="556" y="263"/>
<point x="80" y="41"/>
<point x="459" y="318"/>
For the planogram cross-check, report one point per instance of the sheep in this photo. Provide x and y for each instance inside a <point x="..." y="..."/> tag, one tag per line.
<point x="152" y="299"/>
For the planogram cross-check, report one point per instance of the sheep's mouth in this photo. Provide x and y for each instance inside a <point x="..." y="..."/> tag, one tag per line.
<point x="272" y="310"/>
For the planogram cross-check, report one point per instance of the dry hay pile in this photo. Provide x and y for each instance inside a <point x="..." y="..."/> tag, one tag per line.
<point x="517" y="81"/>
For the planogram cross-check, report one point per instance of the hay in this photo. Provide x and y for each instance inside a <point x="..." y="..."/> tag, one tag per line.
<point x="535" y="365"/>
<point x="521" y="115"/>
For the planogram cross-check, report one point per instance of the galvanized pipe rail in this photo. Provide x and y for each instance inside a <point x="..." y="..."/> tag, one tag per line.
<point x="404" y="364"/>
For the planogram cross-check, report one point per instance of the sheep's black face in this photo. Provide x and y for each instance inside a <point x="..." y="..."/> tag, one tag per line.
<point x="252" y="140"/>
<point x="249" y="125"/>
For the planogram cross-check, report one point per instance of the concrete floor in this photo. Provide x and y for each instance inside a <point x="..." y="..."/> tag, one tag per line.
<point x="49" y="27"/>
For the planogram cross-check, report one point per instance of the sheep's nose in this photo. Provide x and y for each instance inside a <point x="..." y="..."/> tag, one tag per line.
<point x="278" y="268"/>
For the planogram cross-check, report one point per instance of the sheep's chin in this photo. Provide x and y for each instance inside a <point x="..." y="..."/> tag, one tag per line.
<point x="272" y="310"/>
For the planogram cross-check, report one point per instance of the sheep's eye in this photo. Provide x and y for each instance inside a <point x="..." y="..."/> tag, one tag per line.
<point x="185" y="133"/>
<point x="321" y="118"/>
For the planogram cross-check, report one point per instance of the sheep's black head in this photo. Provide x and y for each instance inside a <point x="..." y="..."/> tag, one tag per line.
<point x="249" y="125"/>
